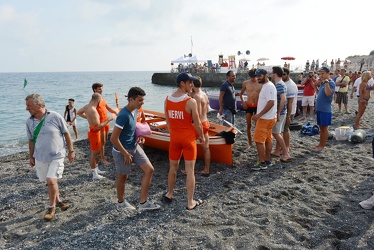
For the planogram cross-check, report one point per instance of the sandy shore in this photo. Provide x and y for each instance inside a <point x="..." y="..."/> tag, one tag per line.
<point x="310" y="203"/>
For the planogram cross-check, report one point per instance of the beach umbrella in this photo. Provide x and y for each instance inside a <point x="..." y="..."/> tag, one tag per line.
<point x="243" y="59"/>
<point x="262" y="59"/>
<point x="288" y="58"/>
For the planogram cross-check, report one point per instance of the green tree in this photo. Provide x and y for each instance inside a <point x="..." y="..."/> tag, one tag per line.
<point x="371" y="53"/>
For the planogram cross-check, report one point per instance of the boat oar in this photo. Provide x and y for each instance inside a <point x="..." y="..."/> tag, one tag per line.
<point x="220" y="117"/>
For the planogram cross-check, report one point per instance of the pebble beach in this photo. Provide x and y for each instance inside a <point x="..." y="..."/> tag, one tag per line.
<point x="309" y="203"/>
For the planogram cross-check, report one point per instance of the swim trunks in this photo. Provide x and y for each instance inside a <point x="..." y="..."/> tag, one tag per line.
<point x="94" y="138"/>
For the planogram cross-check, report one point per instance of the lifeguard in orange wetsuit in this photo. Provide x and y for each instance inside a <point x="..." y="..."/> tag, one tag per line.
<point x="180" y="111"/>
<point x="103" y="109"/>
<point x="90" y="113"/>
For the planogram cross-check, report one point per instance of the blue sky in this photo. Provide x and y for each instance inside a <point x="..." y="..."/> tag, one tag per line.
<point x="127" y="35"/>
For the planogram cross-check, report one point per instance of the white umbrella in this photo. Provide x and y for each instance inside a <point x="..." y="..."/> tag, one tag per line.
<point x="262" y="59"/>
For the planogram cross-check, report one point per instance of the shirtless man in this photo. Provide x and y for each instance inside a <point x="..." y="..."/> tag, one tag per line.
<point x="90" y="113"/>
<point x="364" y="96"/>
<point x="252" y="88"/>
<point x="180" y="111"/>
<point x="103" y="109"/>
<point x="202" y="102"/>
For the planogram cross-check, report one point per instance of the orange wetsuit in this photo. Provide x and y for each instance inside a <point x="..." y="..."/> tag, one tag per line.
<point x="182" y="132"/>
<point x="94" y="138"/>
<point x="103" y="113"/>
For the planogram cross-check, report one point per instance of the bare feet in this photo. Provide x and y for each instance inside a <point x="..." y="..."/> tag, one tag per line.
<point x="318" y="148"/>
<point x="276" y="153"/>
<point x="105" y="162"/>
<point x="183" y="172"/>
<point x="302" y="118"/>
<point x="203" y="173"/>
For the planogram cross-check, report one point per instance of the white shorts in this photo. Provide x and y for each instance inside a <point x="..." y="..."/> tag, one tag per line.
<point x="279" y="125"/>
<point x="51" y="170"/>
<point x="307" y="100"/>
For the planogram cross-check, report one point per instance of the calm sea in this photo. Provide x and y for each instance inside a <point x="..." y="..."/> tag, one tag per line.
<point x="57" y="88"/>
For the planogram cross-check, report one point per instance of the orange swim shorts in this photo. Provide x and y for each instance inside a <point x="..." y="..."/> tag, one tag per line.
<point x="95" y="141"/>
<point x="187" y="147"/>
<point x="263" y="130"/>
<point x="106" y="128"/>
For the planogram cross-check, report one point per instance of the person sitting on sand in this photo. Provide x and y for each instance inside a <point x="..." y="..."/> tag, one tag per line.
<point x="180" y="111"/>
<point x="202" y="102"/>
<point x="252" y="88"/>
<point x="126" y="150"/>
<point x="364" y="96"/>
<point x="323" y="106"/>
<point x="90" y="113"/>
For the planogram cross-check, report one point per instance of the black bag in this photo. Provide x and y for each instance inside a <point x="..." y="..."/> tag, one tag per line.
<point x="228" y="136"/>
<point x="233" y="111"/>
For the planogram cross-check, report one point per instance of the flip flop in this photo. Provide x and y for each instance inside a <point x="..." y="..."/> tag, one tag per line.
<point x="286" y="161"/>
<point x="198" y="203"/>
<point x="275" y="154"/>
<point x="166" y="199"/>
<point x="203" y="174"/>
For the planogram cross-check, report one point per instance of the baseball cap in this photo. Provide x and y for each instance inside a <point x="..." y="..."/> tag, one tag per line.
<point x="364" y="70"/>
<point x="185" y="76"/>
<point x="327" y="70"/>
<point x="260" y="72"/>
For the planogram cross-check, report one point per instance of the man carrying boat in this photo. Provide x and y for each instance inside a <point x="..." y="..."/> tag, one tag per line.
<point x="180" y="111"/>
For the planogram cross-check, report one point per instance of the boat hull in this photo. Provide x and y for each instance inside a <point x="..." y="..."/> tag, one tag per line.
<point x="160" y="139"/>
<point x="214" y="101"/>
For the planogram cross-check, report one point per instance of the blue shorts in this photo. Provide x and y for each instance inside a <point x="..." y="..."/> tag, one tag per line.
<point x="324" y="118"/>
<point x="138" y="158"/>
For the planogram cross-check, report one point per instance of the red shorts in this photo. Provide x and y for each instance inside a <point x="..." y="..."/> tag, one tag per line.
<point x="106" y="128"/>
<point x="94" y="138"/>
<point x="187" y="147"/>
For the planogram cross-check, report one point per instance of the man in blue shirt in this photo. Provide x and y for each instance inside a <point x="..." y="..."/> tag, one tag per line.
<point x="227" y="99"/>
<point x="126" y="150"/>
<point x="323" y="106"/>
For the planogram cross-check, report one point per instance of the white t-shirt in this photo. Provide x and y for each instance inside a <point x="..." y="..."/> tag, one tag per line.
<point x="292" y="91"/>
<point x="267" y="93"/>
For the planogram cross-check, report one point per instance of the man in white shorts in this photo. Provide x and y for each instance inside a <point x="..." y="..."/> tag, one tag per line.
<point x="48" y="137"/>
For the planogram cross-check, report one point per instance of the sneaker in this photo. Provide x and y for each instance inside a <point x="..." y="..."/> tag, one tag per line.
<point x="367" y="204"/>
<point x="259" y="166"/>
<point x="126" y="205"/>
<point x="348" y="112"/>
<point x="269" y="163"/>
<point x="100" y="171"/>
<point x="148" y="205"/>
<point x="62" y="205"/>
<point x="50" y="214"/>
<point x="97" y="177"/>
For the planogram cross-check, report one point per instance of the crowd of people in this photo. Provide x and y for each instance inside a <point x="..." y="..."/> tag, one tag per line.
<point x="270" y="104"/>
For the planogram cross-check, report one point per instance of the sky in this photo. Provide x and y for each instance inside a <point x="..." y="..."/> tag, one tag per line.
<point x="146" y="35"/>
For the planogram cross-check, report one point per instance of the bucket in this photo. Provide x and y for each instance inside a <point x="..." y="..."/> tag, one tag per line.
<point x="342" y="133"/>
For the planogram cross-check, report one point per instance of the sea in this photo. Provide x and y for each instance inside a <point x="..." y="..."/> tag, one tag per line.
<point x="56" y="88"/>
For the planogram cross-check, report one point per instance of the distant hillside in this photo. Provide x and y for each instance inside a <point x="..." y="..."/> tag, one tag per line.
<point x="369" y="60"/>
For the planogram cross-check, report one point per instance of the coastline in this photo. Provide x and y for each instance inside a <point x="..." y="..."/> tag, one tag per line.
<point x="310" y="203"/>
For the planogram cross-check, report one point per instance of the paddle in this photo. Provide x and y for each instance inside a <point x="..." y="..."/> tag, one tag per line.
<point x="220" y="117"/>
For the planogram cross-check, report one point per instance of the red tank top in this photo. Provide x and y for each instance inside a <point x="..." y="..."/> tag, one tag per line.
<point x="180" y="122"/>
